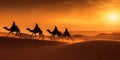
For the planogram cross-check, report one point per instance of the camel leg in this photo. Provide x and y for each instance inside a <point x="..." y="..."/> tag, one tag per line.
<point x="52" y="37"/>
<point x="70" y="38"/>
<point x="12" y="33"/>
<point x="19" y="34"/>
<point x="61" y="37"/>
<point x="65" y="37"/>
<point x="35" y="36"/>
<point x="41" y="36"/>
<point x="31" y="35"/>
<point x="16" y="34"/>
<point x="9" y="34"/>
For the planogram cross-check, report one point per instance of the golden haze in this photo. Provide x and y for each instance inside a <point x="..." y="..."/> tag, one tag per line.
<point x="102" y="17"/>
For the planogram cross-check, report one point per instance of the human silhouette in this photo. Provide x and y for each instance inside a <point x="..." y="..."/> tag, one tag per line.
<point x="55" y="31"/>
<point x="13" y="27"/>
<point x="36" y="27"/>
<point x="13" y="24"/>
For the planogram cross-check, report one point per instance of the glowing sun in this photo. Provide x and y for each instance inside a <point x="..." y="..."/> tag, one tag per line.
<point x="113" y="17"/>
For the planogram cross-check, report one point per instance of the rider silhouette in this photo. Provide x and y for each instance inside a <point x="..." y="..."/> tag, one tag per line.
<point x="67" y="34"/>
<point x="55" y="30"/>
<point x="36" y="28"/>
<point x="14" y="26"/>
<point x="66" y="31"/>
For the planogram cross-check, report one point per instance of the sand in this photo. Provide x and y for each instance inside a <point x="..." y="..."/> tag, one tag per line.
<point x="30" y="49"/>
<point x="90" y="50"/>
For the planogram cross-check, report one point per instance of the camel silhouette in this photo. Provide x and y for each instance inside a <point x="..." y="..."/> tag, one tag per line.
<point x="13" y="29"/>
<point x="67" y="35"/>
<point x="53" y="33"/>
<point x="35" y="31"/>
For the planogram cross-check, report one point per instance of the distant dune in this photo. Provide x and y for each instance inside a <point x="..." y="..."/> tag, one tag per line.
<point x="100" y="36"/>
<point x="90" y="33"/>
<point x="80" y="36"/>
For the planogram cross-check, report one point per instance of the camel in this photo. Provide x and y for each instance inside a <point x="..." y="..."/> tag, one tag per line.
<point x="15" y="29"/>
<point x="67" y="35"/>
<point x="59" y="34"/>
<point x="35" y="32"/>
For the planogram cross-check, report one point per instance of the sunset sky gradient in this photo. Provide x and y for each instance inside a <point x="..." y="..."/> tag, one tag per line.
<point x="76" y="15"/>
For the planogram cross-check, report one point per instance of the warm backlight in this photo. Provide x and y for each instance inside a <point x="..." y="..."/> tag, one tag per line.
<point x="113" y="17"/>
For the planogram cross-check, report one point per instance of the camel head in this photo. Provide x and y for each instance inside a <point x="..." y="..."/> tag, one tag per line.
<point x="49" y="31"/>
<point x="6" y="28"/>
<point x="29" y="29"/>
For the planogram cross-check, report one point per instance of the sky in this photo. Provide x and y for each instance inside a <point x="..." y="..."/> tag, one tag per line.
<point x="76" y="15"/>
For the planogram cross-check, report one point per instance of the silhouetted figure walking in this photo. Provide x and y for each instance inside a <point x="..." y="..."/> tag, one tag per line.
<point x="66" y="34"/>
<point x="35" y="31"/>
<point x="13" y="28"/>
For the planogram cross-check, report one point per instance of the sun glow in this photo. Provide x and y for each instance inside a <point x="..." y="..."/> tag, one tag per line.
<point x="113" y="17"/>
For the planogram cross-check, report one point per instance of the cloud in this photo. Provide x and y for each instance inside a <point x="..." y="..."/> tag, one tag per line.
<point x="49" y="5"/>
<point x="46" y="3"/>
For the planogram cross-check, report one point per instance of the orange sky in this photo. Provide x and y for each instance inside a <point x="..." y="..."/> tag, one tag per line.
<point x="89" y="16"/>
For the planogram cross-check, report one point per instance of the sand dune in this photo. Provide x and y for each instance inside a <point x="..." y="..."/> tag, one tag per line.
<point x="26" y="49"/>
<point x="100" y="36"/>
<point x="91" y="50"/>
<point x="30" y="49"/>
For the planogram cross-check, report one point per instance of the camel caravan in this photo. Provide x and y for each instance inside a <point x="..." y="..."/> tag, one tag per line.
<point x="55" y="32"/>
